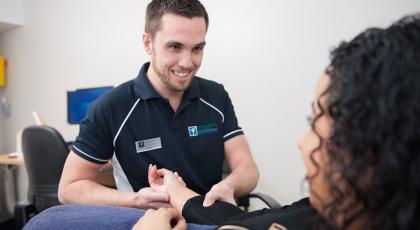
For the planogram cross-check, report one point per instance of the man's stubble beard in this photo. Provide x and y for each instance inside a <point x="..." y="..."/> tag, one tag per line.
<point x="165" y="80"/>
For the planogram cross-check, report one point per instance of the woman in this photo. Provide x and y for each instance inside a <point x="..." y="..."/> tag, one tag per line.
<point x="362" y="151"/>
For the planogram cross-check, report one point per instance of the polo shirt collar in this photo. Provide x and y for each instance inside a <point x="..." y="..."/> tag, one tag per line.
<point x="145" y="90"/>
<point x="193" y="91"/>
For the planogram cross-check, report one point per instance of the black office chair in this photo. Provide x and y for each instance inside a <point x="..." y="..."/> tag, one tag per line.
<point x="45" y="152"/>
<point x="244" y="201"/>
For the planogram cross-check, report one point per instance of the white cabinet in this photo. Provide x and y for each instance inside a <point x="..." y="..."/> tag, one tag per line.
<point x="11" y="14"/>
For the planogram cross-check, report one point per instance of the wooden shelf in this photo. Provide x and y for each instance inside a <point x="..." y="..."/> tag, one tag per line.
<point x="6" y="159"/>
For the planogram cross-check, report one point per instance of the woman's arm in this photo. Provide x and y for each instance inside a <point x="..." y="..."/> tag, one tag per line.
<point x="165" y="181"/>
<point x="188" y="202"/>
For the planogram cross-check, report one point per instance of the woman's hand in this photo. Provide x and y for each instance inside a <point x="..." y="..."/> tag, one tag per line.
<point x="161" y="179"/>
<point x="162" y="219"/>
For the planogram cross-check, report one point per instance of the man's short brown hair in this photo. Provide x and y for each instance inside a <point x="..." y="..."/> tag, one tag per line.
<point x="185" y="8"/>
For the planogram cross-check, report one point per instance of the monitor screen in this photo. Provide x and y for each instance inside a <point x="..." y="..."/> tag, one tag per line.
<point x="78" y="102"/>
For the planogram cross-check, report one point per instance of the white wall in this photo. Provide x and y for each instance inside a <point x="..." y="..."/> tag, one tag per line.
<point x="11" y="13"/>
<point x="2" y="134"/>
<point x="267" y="53"/>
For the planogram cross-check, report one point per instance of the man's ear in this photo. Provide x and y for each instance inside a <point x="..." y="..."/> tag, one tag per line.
<point x="147" y="43"/>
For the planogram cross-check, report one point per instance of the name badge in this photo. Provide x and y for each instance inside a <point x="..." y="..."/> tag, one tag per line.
<point x="149" y="144"/>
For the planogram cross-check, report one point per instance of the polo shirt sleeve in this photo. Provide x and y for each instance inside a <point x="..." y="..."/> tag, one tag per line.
<point x="230" y="125"/>
<point x="94" y="142"/>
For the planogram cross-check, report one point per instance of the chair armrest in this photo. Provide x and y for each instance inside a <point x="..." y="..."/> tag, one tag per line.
<point x="268" y="200"/>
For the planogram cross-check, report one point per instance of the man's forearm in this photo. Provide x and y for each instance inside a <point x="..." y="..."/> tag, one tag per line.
<point x="243" y="179"/>
<point x="90" y="192"/>
<point x="244" y="172"/>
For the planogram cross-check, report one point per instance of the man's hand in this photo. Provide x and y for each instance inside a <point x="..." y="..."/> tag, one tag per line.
<point x="220" y="191"/>
<point x="150" y="198"/>
<point x="162" y="219"/>
<point x="161" y="179"/>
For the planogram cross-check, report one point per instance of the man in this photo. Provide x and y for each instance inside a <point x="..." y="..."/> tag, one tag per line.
<point x="167" y="117"/>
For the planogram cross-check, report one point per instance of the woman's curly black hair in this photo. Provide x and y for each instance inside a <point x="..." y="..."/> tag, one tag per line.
<point x="373" y="98"/>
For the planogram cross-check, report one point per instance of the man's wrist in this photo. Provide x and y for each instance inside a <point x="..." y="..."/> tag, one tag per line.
<point x="131" y="199"/>
<point x="229" y="184"/>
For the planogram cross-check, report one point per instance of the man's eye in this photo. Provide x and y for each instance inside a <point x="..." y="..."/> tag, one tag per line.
<point x="175" y="47"/>
<point x="199" y="48"/>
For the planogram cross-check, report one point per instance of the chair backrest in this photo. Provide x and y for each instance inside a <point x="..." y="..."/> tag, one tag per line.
<point x="45" y="152"/>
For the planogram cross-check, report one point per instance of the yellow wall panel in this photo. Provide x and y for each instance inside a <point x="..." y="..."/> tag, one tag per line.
<point x="2" y="71"/>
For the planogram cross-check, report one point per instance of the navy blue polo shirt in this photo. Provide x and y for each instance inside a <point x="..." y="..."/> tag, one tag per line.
<point x="134" y="126"/>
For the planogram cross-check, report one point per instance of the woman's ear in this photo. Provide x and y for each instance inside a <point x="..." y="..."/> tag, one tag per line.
<point x="147" y="43"/>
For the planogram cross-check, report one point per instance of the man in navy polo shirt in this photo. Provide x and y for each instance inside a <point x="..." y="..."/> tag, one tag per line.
<point x="166" y="116"/>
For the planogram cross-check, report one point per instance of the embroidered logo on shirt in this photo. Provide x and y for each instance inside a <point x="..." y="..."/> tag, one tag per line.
<point x="148" y="144"/>
<point x="194" y="131"/>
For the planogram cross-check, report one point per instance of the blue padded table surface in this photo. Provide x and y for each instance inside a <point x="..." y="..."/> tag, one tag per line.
<point x="89" y="217"/>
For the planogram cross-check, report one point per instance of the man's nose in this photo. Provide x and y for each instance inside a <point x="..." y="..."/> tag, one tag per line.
<point x="185" y="61"/>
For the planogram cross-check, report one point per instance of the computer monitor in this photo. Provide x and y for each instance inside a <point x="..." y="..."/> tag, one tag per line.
<point x="78" y="102"/>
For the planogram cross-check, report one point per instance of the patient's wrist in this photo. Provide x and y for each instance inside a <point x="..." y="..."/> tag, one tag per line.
<point x="179" y="194"/>
<point x="174" y="187"/>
